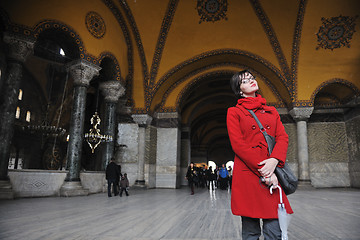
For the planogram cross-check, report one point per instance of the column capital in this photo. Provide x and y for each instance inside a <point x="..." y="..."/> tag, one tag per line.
<point x="142" y="119"/>
<point x="112" y="90"/>
<point x="82" y="71"/>
<point x="19" y="49"/>
<point x="301" y="114"/>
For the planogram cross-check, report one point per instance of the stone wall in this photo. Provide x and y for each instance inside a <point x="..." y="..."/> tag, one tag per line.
<point x="328" y="154"/>
<point x="291" y="156"/>
<point x="168" y="158"/>
<point x="95" y="182"/>
<point x="353" y="140"/>
<point x="47" y="183"/>
<point x="36" y="183"/>
<point x="127" y="149"/>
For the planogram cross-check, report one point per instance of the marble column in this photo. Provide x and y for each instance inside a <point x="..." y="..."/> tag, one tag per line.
<point x="301" y="115"/>
<point x="142" y="120"/>
<point x="111" y="91"/>
<point x="18" y="51"/>
<point x="82" y="72"/>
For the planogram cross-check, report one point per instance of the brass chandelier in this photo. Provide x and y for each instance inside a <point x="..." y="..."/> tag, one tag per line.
<point x="94" y="137"/>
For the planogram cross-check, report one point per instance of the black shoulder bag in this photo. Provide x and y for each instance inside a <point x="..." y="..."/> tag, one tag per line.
<point x="286" y="177"/>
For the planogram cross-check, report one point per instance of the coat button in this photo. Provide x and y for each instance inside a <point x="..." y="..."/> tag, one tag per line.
<point x="262" y="111"/>
<point x="267" y="126"/>
<point x="253" y="127"/>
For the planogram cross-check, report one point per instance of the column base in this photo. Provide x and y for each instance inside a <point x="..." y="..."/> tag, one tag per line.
<point x="305" y="185"/>
<point x="6" y="191"/>
<point x="73" y="189"/>
<point x="139" y="184"/>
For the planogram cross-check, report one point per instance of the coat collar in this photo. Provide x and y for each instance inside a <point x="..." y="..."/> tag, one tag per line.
<point x="257" y="103"/>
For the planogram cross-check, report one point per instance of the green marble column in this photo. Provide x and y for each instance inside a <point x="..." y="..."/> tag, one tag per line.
<point x="112" y="91"/>
<point x="18" y="51"/>
<point x="82" y="72"/>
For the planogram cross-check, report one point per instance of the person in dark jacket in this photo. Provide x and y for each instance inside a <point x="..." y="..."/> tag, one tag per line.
<point x="223" y="177"/>
<point x="112" y="176"/>
<point x="124" y="184"/>
<point x="192" y="176"/>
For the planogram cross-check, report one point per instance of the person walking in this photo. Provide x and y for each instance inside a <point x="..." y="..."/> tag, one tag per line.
<point x="124" y="184"/>
<point x="192" y="176"/>
<point x="230" y="176"/>
<point x="112" y="176"/>
<point x="250" y="198"/>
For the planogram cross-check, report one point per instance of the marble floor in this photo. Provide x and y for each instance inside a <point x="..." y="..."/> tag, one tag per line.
<point x="325" y="214"/>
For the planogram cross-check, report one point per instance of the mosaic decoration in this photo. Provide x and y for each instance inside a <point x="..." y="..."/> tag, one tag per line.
<point x="95" y="24"/>
<point x="336" y="32"/>
<point x="211" y="10"/>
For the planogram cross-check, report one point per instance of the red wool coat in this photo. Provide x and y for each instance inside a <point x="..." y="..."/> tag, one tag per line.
<point x="249" y="198"/>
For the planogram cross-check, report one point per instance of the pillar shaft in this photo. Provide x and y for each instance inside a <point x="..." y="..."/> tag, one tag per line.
<point x="19" y="50"/>
<point x="143" y="120"/>
<point x="112" y="91"/>
<point x="303" y="152"/>
<point x="301" y="115"/>
<point x="76" y="131"/>
<point x="82" y="72"/>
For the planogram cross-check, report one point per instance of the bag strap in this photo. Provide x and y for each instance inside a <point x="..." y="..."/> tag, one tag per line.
<point x="262" y="129"/>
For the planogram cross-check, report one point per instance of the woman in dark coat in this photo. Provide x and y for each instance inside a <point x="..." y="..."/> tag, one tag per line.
<point x="192" y="176"/>
<point x="250" y="198"/>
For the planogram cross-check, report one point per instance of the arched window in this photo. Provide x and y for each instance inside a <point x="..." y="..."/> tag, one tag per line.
<point x="17" y="114"/>
<point x="28" y="115"/>
<point x="20" y="94"/>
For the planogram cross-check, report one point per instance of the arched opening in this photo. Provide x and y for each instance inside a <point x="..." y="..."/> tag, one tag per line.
<point x="45" y="105"/>
<point x="335" y="93"/>
<point x="92" y="160"/>
<point x="203" y="110"/>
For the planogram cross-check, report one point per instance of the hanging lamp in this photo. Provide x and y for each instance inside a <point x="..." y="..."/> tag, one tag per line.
<point x="94" y="137"/>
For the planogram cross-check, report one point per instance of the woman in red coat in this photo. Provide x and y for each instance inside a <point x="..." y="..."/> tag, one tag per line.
<point x="251" y="198"/>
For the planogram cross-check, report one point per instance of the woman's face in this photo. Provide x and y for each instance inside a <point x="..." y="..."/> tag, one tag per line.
<point x="248" y="85"/>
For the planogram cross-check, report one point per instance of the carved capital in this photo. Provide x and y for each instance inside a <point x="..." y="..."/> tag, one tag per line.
<point x="112" y="90"/>
<point x="19" y="49"/>
<point x="142" y="119"/>
<point x="301" y="114"/>
<point x="82" y="71"/>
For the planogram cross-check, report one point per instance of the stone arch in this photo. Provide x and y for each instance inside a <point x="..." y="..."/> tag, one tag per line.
<point x="110" y="67"/>
<point x="223" y="56"/>
<point x="334" y="92"/>
<point x="62" y="35"/>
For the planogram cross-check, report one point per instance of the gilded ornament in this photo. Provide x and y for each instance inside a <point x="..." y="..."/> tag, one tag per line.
<point x="95" y="24"/>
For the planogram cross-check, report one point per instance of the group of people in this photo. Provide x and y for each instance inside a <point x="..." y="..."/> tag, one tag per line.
<point x="208" y="177"/>
<point x="116" y="179"/>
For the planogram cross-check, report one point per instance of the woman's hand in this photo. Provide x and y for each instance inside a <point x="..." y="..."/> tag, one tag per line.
<point x="272" y="181"/>
<point x="269" y="167"/>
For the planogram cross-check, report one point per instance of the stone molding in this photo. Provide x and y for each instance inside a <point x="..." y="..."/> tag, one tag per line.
<point x="167" y="115"/>
<point x="301" y="114"/>
<point x="112" y="90"/>
<point x="19" y="49"/>
<point x="142" y="119"/>
<point x="167" y="120"/>
<point x="82" y="71"/>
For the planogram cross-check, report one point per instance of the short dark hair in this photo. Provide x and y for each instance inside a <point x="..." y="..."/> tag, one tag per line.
<point x="235" y="82"/>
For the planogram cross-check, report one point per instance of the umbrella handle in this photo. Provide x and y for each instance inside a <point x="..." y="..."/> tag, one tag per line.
<point x="271" y="191"/>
